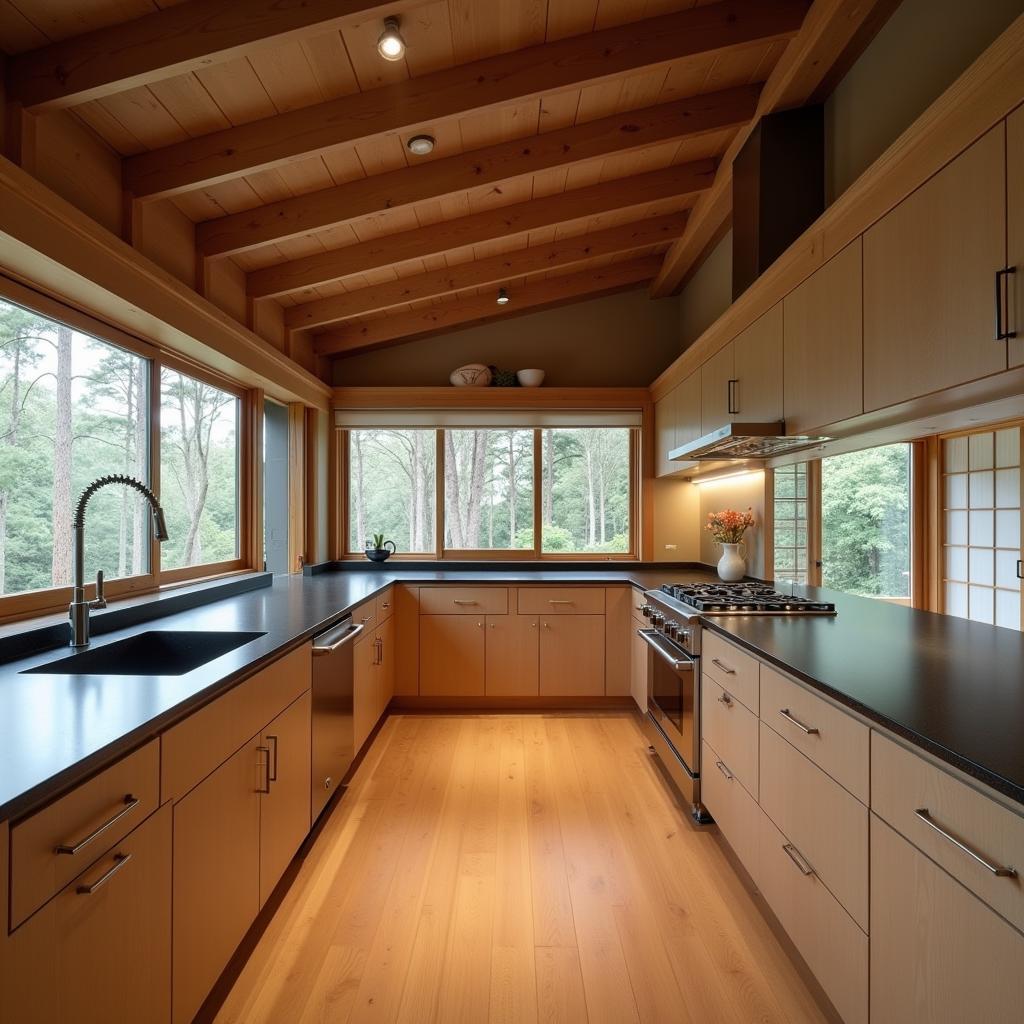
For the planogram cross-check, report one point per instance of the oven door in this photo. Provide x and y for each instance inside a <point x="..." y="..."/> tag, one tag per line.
<point x="672" y="688"/>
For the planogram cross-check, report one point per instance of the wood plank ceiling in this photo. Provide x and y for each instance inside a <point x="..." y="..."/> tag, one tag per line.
<point x="572" y="137"/>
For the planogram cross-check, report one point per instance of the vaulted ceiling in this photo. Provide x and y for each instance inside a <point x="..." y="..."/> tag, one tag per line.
<point x="582" y="146"/>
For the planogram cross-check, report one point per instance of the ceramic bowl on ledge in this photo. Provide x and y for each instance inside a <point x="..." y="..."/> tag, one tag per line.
<point x="530" y="378"/>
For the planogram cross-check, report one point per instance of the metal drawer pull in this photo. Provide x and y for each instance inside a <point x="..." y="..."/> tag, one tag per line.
<point x="552" y="601"/>
<point x="725" y="699"/>
<point x="130" y="803"/>
<point x="809" y="729"/>
<point x="996" y="869"/>
<point x="455" y="600"/>
<point x="265" y="788"/>
<point x="120" y="859"/>
<point x="798" y="859"/>
<point x="725" y="771"/>
<point x="273" y="771"/>
<point x="347" y="638"/>
<point x="725" y="668"/>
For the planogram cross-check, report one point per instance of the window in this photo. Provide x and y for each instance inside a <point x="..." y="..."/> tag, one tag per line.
<point x="392" y="487"/>
<point x="199" y="471"/>
<point x="791" y="523"/>
<point x="982" y="526"/>
<point x="586" y="493"/>
<point x="488" y="489"/>
<point x="865" y="522"/>
<point x="72" y="408"/>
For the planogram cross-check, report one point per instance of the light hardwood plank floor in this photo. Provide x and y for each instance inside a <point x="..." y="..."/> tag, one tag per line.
<point x="516" y="868"/>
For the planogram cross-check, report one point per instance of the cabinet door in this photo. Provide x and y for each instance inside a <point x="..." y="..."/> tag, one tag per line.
<point x="638" y="670"/>
<point x="385" y="665"/>
<point x="451" y="656"/>
<point x="216" y="874"/>
<point x="512" y="656"/>
<point x="929" y="276"/>
<point x="665" y="418"/>
<point x="572" y="656"/>
<point x="1015" y="233"/>
<point x="688" y="423"/>
<point x="824" y="345"/>
<point x="758" y="354"/>
<point x="364" y="688"/>
<point x="938" y="954"/>
<point x="284" y="812"/>
<point x="715" y="375"/>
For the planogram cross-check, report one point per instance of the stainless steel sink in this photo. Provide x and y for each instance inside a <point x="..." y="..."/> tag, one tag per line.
<point x="156" y="652"/>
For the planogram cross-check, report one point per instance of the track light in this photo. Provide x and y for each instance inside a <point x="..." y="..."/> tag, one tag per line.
<point x="391" y="45"/>
<point x="503" y="299"/>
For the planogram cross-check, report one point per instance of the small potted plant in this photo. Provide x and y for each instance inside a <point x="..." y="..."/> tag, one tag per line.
<point x="728" y="528"/>
<point x="377" y="550"/>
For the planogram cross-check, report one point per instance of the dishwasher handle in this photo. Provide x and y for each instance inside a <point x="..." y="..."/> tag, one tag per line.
<point x="320" y="648"/>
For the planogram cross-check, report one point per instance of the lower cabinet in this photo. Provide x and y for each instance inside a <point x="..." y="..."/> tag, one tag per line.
<point x="938" y="954"/>
<point x="572" y="656"/>
<point x="638" y="668"/>
<point x="452" y="658"/>
<point x="374" y="662"/>
<point x="512" y="656"/>
<point x="735" y="811"/>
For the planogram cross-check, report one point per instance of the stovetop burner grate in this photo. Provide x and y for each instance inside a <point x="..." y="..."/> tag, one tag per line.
<point x="739" y="598"/>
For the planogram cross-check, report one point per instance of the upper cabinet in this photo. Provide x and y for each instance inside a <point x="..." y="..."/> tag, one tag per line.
<point x="930" y="269"/>
<point x="717" y="384"/>
<point x="1015" y="232"/>
<point x="823" y="347"/>
<point x="676" y="422"/>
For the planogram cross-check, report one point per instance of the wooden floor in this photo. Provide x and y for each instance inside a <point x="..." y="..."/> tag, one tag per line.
<point x="516" y="868"/>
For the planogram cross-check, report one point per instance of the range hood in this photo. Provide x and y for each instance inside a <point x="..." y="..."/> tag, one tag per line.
<point x="744" y="441"/>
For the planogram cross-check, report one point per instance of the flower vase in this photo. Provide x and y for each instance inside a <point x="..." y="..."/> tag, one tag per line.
<point x="732" y="566"/>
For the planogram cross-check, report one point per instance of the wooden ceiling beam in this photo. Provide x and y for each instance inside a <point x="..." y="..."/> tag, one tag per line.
<point x="532" y="296"/>
<point x="493" y="271"/>
<point x="415" y="103"/>
<point x="831" y="30"/>
<point x="682" y="119"/>
<point x="683" y="180"/>
<point x="172" y="41"/>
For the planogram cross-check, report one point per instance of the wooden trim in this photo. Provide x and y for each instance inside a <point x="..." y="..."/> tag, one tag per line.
<point x="473" y="309"/>
<point x="814" y="522"/>
<point x="313" y="486"/>
<point x="825" y="36"/>
<point x="296" y="486"/>
<point x="337" y="492"/>
<point x="984" y="94"/>
<point x="56" y="599"/>
<point x="430" y="705"/>
<point x="207" y="569"/>
<point x="926" y="524"/>
<point x="252" y="508"/>
<point x="645" y="473"/>
<point x="439" y="493"/>
<point x="501" y="269"/>
<point x="679" y="184"/>
<point x="621" y="133"/>
<point x="768" y="526"/>
<point x="538" y="492"/>
<point x="489" y="398"/>
<point x="390" y="110"/>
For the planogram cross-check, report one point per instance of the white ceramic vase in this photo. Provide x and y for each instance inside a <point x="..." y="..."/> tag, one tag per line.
<point x="732" y="566"/>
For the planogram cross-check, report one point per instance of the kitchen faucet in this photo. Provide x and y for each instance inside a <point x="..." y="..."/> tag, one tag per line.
<point x="78" y="610"/>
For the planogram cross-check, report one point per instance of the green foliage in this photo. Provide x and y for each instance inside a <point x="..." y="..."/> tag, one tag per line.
<point x="378" y="541"/>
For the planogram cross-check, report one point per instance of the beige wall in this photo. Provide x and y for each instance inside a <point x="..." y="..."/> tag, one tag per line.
<point x="676" y="521"/>
<point x="745" y="492"/>
<point x="622" y="340"/>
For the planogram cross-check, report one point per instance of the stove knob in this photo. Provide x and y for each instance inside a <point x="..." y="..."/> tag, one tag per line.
<point x="657" y="619"/>
<point x="672" y="629"/>
<point x="646" y="611"/>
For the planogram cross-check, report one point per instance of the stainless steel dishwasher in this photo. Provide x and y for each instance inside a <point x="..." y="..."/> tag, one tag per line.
<point x="333" y="723"/>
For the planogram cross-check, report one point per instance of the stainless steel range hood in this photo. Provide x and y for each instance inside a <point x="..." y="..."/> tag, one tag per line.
<point x="744" y="441"/>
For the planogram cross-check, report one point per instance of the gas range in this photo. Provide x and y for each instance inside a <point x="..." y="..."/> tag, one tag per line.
<point x="742" y="599"/>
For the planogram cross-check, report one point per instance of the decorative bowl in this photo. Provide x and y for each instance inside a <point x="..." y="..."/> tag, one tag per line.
<point x="472" y="375"/>
<point x="530" y="378"/>
<point x="378" y="554"/>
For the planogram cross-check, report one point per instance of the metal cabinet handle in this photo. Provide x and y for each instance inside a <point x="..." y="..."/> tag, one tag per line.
<point x="386" y="605"/>
<point x="725" y="771"/>
<point x="725" y="668"/>
<point x="725" y="699"/>
<point x="733" y="407"/>
<point x="457" y="601"/>
<point x="265" y="788"/>
<point x="130" y="803"/>
<point x="654" y="639"/>
<point x="319" y="652"/>
<point x="996" y="869"/>
<point x="1002" y="304"/>
<point x="366" y="618"/>
<point x="552" y="601"/>
<point x="810" y="730"/>
<point x="798" y="859"/>
<point x="273" y="771"/>
<point x="120" y="859"/>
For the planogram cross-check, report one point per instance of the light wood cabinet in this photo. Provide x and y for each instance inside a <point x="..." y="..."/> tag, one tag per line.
<point x="1015" y="229"/>
<point x="512" y="656"/>
<point x="734" y="670"/>
<point x="731" y="729"/>
<point x="715" y="389"/>
<point x="476" y="601"/>
<point x="823" y="345"/>
<point x="676" y="422"/>
<point x="452" y="662"/>
<point x="757" y="353"/>
<point x="938" y="954"/>
<point x="387" y="663"/>
<point x="561" y="601"/>
<point x="638" y="683"/>
<point x="216" y="874"/>
<point x="929" y="274"/>
<point x="572" y="655"/>
<point x="285" y="807"/>
<point x="364" y="684"/>
<point x="735" y="811"/>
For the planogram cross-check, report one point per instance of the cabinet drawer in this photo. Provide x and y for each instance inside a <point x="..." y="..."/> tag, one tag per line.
<point x="735" y="811"/>
<point x="55" y="844"/>
<point x="561" y="600"/>
<point x="366" y="613"/>
<point x="463" y="600"/>
<point x="636" y="602"/>
<point x="734" y="670"/>
<point x="385" y="604"/>
<point x="835" y="949"/>
<point x="732" y="730"/>
<point x="903" y="783"/>
<point x="835" y="742"/>
<point x="827" y="825"/>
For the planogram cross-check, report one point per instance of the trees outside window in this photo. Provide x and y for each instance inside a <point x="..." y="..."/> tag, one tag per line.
<point x="790" y="533"/>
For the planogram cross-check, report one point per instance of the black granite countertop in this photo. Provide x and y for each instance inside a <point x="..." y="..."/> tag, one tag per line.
<point x="953" y="687"/>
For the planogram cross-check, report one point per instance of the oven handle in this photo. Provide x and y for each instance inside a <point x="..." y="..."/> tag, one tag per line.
<point x="655" y="640"/>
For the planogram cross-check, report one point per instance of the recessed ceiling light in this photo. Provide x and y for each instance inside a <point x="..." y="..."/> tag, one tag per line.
<point x="502" y="297"/>
<point x="391" y="45"/>
<point x="421" y="145"/>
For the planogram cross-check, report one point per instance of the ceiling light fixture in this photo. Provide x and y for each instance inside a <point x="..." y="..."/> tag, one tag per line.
<point x="391" y="45"/>
<point x="503" y="299"/>
<point x="420" y="145"/>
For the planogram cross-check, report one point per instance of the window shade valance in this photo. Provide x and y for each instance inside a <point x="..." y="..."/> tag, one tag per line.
<point x="477" y="418"/>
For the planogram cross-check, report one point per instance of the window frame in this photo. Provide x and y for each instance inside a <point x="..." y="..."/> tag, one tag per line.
<point x="26" y="604"/>
<point x="340" y="467"/>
